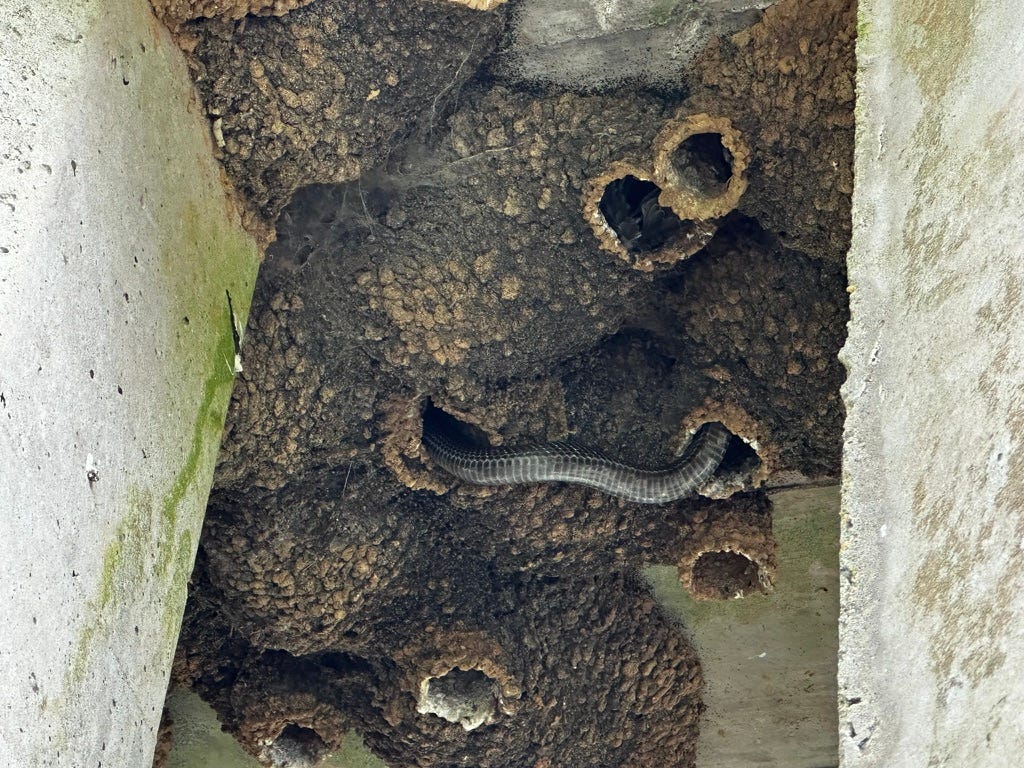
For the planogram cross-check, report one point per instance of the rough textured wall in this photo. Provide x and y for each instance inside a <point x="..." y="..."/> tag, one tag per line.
<point x="595" y="45"/>
<point x="118" y="252"/>
<point x="173" y="12"/>
<point x="482" y="263"/>
<point x="934" y="466"/>
<point x="789" y="86"/>
<point x="328" y="91"/>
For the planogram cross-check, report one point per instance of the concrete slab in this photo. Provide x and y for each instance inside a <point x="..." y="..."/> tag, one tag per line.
<point x="602" y="43"/>
<point x="932" y="623"/>
<point x="118" y="250"/>
<point x="769" y="660"/>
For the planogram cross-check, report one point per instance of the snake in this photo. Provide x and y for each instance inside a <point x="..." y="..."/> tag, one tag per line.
<point x="569" y="462"/>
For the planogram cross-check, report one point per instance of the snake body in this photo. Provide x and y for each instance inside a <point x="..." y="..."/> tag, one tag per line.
<point x="570" y="463"/>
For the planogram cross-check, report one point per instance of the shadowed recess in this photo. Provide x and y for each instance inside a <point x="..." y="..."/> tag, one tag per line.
<point x="740" y="460"/>
<point x="724" y="575"/>
<point x="630" y="206"/>
<point x="703" y="164"/>
<point x="296" y="747"/>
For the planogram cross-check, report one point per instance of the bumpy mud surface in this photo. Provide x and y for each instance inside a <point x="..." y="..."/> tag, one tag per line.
<point x="788" y="83"/>
<point x="173" y="12"/>
<point x="434" y="250"/>
<point x="327" y="91"/>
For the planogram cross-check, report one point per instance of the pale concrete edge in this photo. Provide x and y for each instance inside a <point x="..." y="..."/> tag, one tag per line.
<point x="119" y="363"/>
<point x="860" y="513"/>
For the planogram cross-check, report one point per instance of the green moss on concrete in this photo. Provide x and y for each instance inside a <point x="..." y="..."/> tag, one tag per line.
<point x="191" y="485"/>
<point x="122" y="570"/>
<point x="662" y="11"/>
<point x="151" y="554"/>
<point x="863" y="26"/>
<point x="200" y="254"/>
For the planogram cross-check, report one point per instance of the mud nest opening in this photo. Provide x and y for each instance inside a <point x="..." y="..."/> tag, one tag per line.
<point x="703" y="163"/>
<point x="630" y="207"/>
<point x="296" y="747"/>
<point x="441" y="422"/>
<point x="467" y="697"/>
<point x="722" y="575"/>
<point x="740" y="461"/>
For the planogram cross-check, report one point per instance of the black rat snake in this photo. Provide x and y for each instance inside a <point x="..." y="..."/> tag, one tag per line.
<point x="570" y="463"/>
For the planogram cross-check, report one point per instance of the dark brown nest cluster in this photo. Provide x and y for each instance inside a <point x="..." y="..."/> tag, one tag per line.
<point x="437" y="243"/>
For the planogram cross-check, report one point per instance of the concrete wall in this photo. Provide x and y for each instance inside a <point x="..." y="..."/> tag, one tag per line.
<point x="602" y="43"/>
<point x="117" y="247"/>
<point x="769" y="660"/>
<point x="932" y="625"/>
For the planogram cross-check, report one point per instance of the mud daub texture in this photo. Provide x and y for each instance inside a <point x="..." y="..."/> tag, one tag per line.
<point x="599" y="677"/>
<point x="432" y="247"/>
<point x="174" y="12"/>
<point x="788" y="84"/>
<point x="327" y="91"/>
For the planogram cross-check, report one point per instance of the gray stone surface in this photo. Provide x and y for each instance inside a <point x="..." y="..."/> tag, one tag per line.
<point x="595" y="44"/>
<point x="932" y="622"/>
<point x="117" y="246"/>
<point x="769" y="660"/>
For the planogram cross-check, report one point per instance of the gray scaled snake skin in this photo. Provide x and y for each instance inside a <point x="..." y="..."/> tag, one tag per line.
<point x="570" y="463"/>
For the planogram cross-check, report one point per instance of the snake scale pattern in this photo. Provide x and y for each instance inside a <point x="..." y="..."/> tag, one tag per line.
<point x="570" y="463"/>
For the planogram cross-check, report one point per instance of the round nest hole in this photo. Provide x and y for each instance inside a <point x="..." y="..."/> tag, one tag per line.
<point x="703" y="164"/>
<point x="630" y="207"/>
<point x="437" y="420"/>
<point x="722" y="575"/>
<point x="296" y="747"/>
<point x="467" y="697"/>
<point x="739" y="463"/>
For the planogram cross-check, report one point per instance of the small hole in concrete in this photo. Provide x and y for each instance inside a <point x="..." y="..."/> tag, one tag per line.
<point x="296" y="747"/>
<point x="722" y="575"/>
<point x="703" y="163"/>
<point x="467" y="697"/>
<point x="630" y="206"/>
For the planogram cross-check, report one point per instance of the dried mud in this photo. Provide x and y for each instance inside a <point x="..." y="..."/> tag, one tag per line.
<point x="433" y="246"/>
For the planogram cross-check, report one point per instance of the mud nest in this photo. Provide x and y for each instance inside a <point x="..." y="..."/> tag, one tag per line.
<point x="437" y="245"/>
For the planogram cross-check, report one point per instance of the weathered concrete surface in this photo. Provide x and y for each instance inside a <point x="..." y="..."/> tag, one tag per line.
<point x="117" y="247"/>
<point x="769" y="660"/>
<point x="603" y="43"/>
<point x="932" y="622"/>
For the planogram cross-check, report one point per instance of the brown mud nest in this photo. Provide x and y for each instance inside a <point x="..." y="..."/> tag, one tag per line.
<point x="509" y="257"/>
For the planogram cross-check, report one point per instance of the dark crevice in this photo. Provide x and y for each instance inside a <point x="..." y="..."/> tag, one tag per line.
<point x="343" y="663"/>
<point x="441" y="422"/>
<point x="630" y="206"/>
<point x="740" y="459"/>
<point x="725" y="574"/>
<point x="703" y="163"/>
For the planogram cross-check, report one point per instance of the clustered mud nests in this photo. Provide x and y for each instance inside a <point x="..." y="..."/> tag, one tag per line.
<point x="432" y="246"/>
